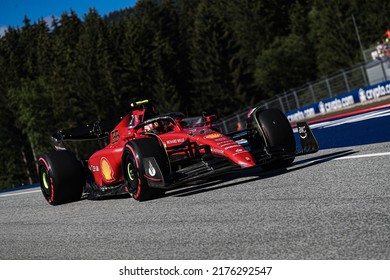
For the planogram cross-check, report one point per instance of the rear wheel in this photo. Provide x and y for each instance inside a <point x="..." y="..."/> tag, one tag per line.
<point x="276" y="131"/>
<point x="61" y="177"/>
<point x="134" y="169"/>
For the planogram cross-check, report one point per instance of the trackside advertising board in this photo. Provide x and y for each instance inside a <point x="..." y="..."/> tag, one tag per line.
<point x="340" y="102"/>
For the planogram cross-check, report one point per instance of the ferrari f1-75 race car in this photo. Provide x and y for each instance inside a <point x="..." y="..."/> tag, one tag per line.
<point x="149" y="153"/>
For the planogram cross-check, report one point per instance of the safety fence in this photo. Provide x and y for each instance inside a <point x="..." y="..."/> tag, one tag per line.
<point x="345" y="81"/>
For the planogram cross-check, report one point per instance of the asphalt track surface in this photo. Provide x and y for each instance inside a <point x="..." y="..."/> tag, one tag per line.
<point x="334" y="204"/>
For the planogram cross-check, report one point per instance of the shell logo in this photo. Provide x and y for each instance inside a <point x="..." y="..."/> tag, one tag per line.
<point x="106" y="170"/>
<point x="213" y="136"/>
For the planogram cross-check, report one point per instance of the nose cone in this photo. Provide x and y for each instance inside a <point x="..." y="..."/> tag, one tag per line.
<point x="224" y="146"/>
<point x="244" y="160"/>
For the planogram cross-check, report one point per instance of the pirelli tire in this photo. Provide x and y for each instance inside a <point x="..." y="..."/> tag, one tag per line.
<point x="61" y="177"/>
<point x="277" y="132"/>
<point x="134" y="170"/>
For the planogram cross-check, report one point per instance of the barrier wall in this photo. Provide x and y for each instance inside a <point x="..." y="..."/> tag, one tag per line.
<point x="340" y="102"/>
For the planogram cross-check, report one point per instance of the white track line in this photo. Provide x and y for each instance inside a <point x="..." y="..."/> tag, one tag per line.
<point x="349" y="157"/>
<point x="364" y="156"/>
<point x="19" y="193"/>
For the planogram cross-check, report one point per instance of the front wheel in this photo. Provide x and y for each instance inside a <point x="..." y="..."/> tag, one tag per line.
<point x="61" y="177"/>
<point x="275" y="131"/>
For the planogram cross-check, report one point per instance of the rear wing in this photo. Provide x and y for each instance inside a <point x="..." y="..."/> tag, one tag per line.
<point x="96" y="131"/>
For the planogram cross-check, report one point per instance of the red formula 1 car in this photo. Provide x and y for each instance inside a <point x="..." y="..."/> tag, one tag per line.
<point x="150" y="153"/>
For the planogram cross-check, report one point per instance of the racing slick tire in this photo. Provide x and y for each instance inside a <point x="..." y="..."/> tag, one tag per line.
<point x="61" y="177"/>
<point x="277" y="132"/>
<point x="134" y="170"/>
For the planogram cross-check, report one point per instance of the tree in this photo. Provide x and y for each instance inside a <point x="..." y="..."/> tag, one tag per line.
<point x="15" y="155"/>
<point x="44" y="50"/>
<point x="169" y="83"/>
<point x="335" y="40"/>
<point x="151" y="54"/>
<point x="289" y="61"/>
<point x="63" y="79"/>
<point x="137" y="49"/>
<point x="372" y="21"/>
<point x="255" y="22"/>
<point x="95" y="85"/>
<point x="30" y="103"/>
<point x="13" y="152"/>
<point x="217" y="66"/>
<point x="283" y="66"/>
<point x="115" y="45"/>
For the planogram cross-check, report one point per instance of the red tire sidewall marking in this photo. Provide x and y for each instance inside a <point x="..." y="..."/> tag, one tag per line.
<point x="51" y="199"/>
<point x="136" y="195"/>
